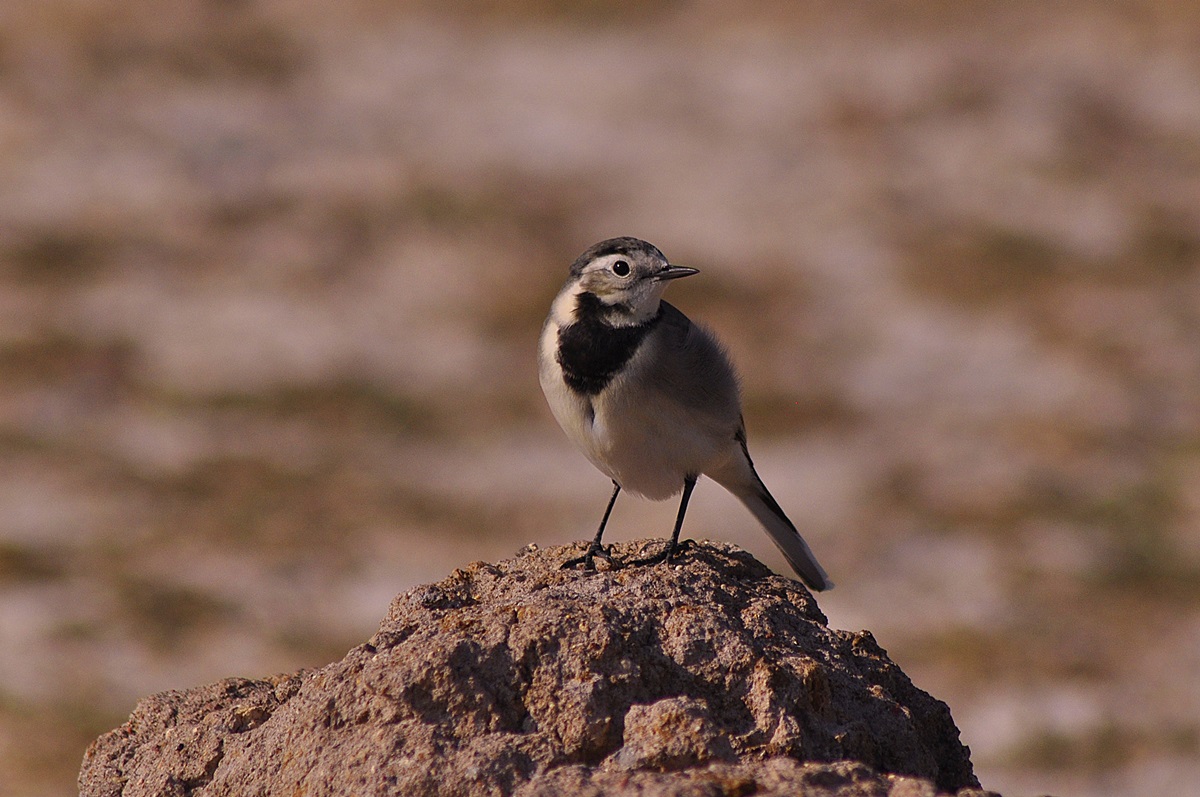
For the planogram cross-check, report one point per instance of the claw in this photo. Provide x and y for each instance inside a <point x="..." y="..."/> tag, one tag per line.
<point x="589" y="557"/>
<point x="668" y="554"/>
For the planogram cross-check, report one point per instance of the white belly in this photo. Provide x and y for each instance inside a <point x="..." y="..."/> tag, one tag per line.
<point x="638" y="438"/>
<point x="650" y="445"/>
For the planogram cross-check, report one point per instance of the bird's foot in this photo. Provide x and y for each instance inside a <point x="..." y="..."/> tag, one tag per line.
<point x="588" y="560"/>
<point x="668" y="554"/>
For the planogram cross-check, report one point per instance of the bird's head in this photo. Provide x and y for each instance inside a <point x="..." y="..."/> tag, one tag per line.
<point x="627" y="277"/>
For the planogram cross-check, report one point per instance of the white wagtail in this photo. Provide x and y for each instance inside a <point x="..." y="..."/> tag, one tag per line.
<point x="649" y="397"/>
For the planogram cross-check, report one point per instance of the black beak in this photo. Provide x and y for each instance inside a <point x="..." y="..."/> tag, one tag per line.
<point x="675" y="272"/>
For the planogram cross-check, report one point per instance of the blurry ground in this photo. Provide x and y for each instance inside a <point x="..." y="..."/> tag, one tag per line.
<point x="272" y="273"/>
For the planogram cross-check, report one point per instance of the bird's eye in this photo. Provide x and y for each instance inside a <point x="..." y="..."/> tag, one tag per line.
<point x="620" y="268"/>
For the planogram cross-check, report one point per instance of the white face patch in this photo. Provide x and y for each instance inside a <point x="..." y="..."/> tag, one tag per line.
<point x="610" y="277"/>
<point x="634" y="294"/>
<point x="622" y="283"/>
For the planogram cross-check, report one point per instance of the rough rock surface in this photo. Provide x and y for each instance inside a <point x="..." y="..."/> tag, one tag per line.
<point x="711" y="675"/>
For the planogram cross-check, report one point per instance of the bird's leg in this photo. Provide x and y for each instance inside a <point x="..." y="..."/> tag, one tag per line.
<point x="689" y="484"/>
<point x="674" y="546"/>
<point x="596" y="549"/>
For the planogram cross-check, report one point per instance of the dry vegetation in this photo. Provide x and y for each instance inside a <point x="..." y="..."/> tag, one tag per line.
<point x="271" y="275"/>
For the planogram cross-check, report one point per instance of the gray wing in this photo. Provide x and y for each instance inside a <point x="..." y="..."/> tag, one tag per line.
<point x="692" y="368"/>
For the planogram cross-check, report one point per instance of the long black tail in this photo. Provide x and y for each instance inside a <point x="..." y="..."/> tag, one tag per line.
<point x="740" y="478"/>
<point x="783" y="533"/>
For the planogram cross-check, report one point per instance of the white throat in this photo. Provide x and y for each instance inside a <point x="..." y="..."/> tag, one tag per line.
<point x="565" y="309"/>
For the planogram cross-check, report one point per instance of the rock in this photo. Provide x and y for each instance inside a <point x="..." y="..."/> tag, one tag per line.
<point x="708" y="676"/>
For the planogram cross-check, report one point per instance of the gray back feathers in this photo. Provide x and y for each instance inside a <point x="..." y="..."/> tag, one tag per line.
<point x="692" y="368"/>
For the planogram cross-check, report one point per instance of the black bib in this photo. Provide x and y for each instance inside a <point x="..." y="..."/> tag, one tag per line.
<point x="591" y="350"/>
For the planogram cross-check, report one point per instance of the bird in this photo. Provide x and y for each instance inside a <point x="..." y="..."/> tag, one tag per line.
<point x="651" y="398"/>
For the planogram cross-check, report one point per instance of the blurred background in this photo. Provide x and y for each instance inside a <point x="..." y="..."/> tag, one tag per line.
<point x="272" y="274"/>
